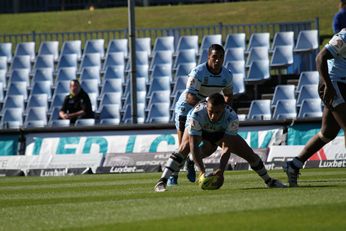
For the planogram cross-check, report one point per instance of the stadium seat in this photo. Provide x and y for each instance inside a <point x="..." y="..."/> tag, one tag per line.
<point x="158" y="113"/>
<point x="54" y="114"/>
<point x="159" y="97"/>
<point x="143" y="44"/>
<point x="93" y="96"/>
<point x="187" y="56"/>
<point x="188" y="42"/>
<point x="90" y="86"/>
<point x="203" y="56"/>
<point x="142" y="58"/>
<point x="142" y="71"/>
<point x="162" y="58"/>
<point x="3" y="78"/>
<point x="283" y="92"/>
<point x="62" y="87"/>
<point x="26" y="48"/>
<point x="285" y="109"/>
<point x="72" y="47"/>
<point x="179" y="84"/>
<point x="42" y="87"/>
<point x="307" y="41"/>
<point x="283" y="38"/>
<point x="118" y="45"/>
<point x="235" y="41"/>
<point x="307" y="77"/>
<point x="140" y="84"/>
<point x="141" y="98"/>
<point x="2" y="96"/>
<point x="234" y="54"/>
<point x="159" y="84"/>
<point x="85" y="122"/>
<point x="184" y="69"/>
<point x="310" y="108"/>
<point x="140" y="113"/>
<point x="110" y="114"/>
<point x="13" y="101"/>
<point x="236" y="67"/>
<point x="111" y="98"/>
<point x="6" y="50"/>
<point x="20" y="75"/>
<point x="259" y="110"/>
<point x="3" y="63"/>
<point x="114" y="59"/>
<point x="21" y="62"/>
<point x="238" y="83"/>
<point x="282" y="57"/>
<point x="307" y="92"/>
<point x="258" y="40"/>
<point x="242" y="117"/>
<point x="67" y="60"/>
<point x="66" y="74"/>
<point x="259" y="71"/>
<point x="12" y="118"/>
<point x="111" y="86"/>
<point x="115" y="72"/>
<point x="95" y="46"/>
<point x="44" y="61"/>
<point x="18" y="88"/>
<point x="57" y="101"/>
<point x="165" y="43"/>
<point x="91" y="73"/>
<point x="161" y="70"/>
<point x="37" y="117"/>
<point x="257" y="54"/>
<point x="91" y="60"/>
<point x="208" y="40"/>
<point x="59" y="123"/>
<point x="49" y="48"/>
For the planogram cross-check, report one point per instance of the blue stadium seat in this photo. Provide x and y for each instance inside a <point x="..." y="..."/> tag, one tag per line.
<point x="307" y="92"/>
<point x="62" y="87"/>
<point x="307" y="77"/>
<point x="6" y="50"/>
<point x="26" y="48"/>
<point x="54" y="114"/>
<point x="141" y="98"/>
<point x="208" y="40"/>
<point x="188" y="42"/>
<point x="234" y="54"/>
<point x="66" y="74"/>
<point x="118" y="45"/>
<point x="85" y="122"/>
<point x="307" y="41"/>
<point x="142" y="58"/>
<point x="68" y="60"/>
<point x="44" y="61"/>
<point x="285" y="109"/>
<point x="111" y="86"/>
<point x="259" y="40"/>
<point x="159" y="97"/>
<point x="110" y="98"/>
<point x="162" y="58"/>
<point x="72" y="47"/>
<point x="3" y="78"/>
<point x="13" y="101"/>
<point x="184" y="69"/>
<point x="259" y="110"/>
<point x="110" y="114"/>
<point x="236" y="67"/>
<point x="90" y="86"/>
<point x="2" y="96"/>
<point x="179" y="84"/>
<point x="95" y="46"/>
<point x="114" y="59"/>
<point x="18" y="88"/>
<point x="43" y="74"/>
<point x="143" y="44"/>
<point x="91" y="73"/>
<point x="142" y="71"/>
<point x="238" y="82"/>
<point x="158" y="113"/>
<point x="161" y="70"/>
<point x="115" y="72"/>
<point x="310" y="108"/>
<point x="257" y="54"/>
<point x="59" y="123"/>
<point x="21" y="62"/>
<point x="57" y="101"/>
<point x="20" y="75"/>
<point x="283" y="92"/>
<point x="12" y="118"/>
<point x="49" y="48"/>
<point x="37" y="117"/>
<point x="91" y="60"/>
<point x="3" y="63"/>
<point x="203" y="56"/>
<point x="282" y="57"/>
<point x="283" y="38"/>
<point x="42" y="87"/>
<point x="159" y="84"/>
<point x="235" y="41"/>
<point x="259" y="71"/>
<point x="140" y="113"/>
<point x="164" y="43"/>
<point x="140" y="84"/>
<point x="93" y="96"/>
<point x="187" y="56"/>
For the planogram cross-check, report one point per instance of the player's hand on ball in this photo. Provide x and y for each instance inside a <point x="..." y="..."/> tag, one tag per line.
<point x="211" y="181"/>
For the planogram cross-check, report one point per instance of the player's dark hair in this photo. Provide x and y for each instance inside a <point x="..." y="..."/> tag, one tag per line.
<point x="75" y="81"/>
<point x="216" y="47"/>
<point x="216" y="99"/>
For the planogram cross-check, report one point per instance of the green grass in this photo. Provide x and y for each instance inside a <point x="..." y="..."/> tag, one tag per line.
<point x="127" y="202"/>
<point x="173" y="16"/>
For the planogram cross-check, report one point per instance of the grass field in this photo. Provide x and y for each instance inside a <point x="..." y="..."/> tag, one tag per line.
<point x="173" y="16"/>
<point x="127" y="202"/>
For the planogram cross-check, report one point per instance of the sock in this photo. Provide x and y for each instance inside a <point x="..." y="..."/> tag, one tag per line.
<point x="261" y="171"/>
<point x="174" y="163"/>
<point x="297" y="163"/>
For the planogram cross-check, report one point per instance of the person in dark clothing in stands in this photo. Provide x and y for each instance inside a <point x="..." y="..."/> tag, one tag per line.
<point x="77" y="104"/>
<point x="339" y="20"/>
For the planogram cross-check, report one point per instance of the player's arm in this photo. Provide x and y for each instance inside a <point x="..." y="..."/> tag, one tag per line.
<point x="194" y="141"/>
<point x="228" y="98"/>
<point x="191" y="99"/>
<point x="193" y="86"/>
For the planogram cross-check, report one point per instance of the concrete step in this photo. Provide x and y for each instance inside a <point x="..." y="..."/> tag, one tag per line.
<point x="267" y="96"/>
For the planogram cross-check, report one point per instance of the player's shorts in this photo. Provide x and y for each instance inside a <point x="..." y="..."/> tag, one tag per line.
<point x="181" y="111"/>
<point x="340" y="89"/>
<point x="213" y="137"/>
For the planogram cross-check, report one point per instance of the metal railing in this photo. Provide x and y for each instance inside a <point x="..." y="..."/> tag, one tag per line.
<point x="153" y="33"/>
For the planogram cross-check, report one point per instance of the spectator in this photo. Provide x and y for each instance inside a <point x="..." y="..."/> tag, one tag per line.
<point x="339" y="20"/>
<point x="76" y="104"/>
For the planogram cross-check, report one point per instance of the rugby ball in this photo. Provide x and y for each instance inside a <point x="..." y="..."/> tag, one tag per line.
<point x="211" y="181"/>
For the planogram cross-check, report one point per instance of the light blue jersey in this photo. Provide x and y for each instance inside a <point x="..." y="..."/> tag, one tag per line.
<point x="199" y="124"/>
<point x="202" y="83"/>
<point x="337" y="66"/>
